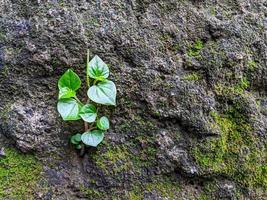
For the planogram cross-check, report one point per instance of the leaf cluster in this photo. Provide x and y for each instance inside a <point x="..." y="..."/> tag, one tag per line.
<point x="102" y="91"/>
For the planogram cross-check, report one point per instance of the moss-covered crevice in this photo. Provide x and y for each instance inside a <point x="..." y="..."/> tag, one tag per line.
<point x="19" y="175"/>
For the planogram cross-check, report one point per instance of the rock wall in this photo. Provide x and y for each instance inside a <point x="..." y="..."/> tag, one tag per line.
<point x="192" y="106"/>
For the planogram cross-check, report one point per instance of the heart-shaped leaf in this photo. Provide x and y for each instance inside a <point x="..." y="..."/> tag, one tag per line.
<point x="92" y="138"/>
<point x="65" y="93"/>
<point x="103" y="93"/>
<point x="68" y="109"/>
<point x="70" y="80"/>
<point x="76" y="139"/>
<point x="88" y="113"/>
<point x="97" y="69"/>
<point x="103" y="123"/>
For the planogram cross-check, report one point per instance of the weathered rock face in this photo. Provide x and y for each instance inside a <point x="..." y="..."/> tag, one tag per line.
<point x="191" y="116"/>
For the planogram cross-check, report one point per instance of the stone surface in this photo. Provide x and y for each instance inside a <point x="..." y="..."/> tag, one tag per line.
<point x="191" y="79"/>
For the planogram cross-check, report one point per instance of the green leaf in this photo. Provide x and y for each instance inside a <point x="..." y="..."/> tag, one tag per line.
<point x="97" y="69"/>
<point x="68" y="109"/>
<point x="76" y="139"/>
<point x="78" y="146"/>
<point x="72" y="141"/>
<point x="103" y="93"/>
<point x="88" y="113"/>
<point x="70" y="80"/>
<point x="65" y="93"/>
<point x="103" y="123"/>
<point x="92" y="138"/>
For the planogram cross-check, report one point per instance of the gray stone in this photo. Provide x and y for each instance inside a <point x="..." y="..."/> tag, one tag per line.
<point x="152" y="49"/>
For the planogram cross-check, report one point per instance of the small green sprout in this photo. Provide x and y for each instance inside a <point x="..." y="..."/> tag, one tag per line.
<point x="102" y="91"/>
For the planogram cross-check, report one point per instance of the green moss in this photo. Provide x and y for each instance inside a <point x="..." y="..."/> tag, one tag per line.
<point x="192" y="77"/>
<point x="165" y="37"/>
<point x="203" y="197"/>
<point x="209" y="190"/>
<point x="127" y="101"/>
<point x="213" y="11"/>
<point x="116" y="159"/>
<point x="94" y="21"/>
<point x="139" y="152"/>
<point x="226" y="90"/>
<point x="19" y="174"/>
<point x="244" y="83"/>
<point x="134" y="157"/>
<point x="5" y="71"/>
<point x="195" y="49"/>
<point x="92" y="193"/>
<point x="157" y="114"/>
<point x="237" y="153"/>
<point x="169" y="43"/>
<point x="4" y="112"/>
<point x="147" y="152"/>
<point x="133" y="195"/>
<point x="252" y="65"/>
<point x="61" y="3"/>
<point x="136" y="125"/>
<point x="163" y="186"/>
<point x="165" y="189"/>
<point x="2" y="37"/>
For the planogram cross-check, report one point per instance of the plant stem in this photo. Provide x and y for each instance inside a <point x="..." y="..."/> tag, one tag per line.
<point x="86" y="125"/>
<point x="82" y="152"/>
<point x="76" y="98"/>
<point x="91" y="128"/>
<point x="87" y="66"/>
<point x="86" y="128"/>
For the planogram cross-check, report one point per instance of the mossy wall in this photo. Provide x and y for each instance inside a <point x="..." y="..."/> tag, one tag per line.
<point x="190" y="121"/>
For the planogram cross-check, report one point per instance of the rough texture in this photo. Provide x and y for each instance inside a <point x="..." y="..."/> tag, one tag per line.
<point x="192" y="105"/>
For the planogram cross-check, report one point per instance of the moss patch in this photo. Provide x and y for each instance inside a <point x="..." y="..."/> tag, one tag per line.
<point x="239" y="88"/>
<point x="192" y="77"/>
<point x="169" y="43"/>
<point x="164" y="187"/>
<point x="139" y="153"/>
<point x="252" y="65"/>
<point x="4" y="112"/>
<point x="113" y="160"/>
<point x="238" y="153"/>
<point x="136" y="126"/>
<point x="19" y="174"/>
<point x="127" y="162"/>
<point x="195" y="49"/>
<point x="203" y="197"/>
